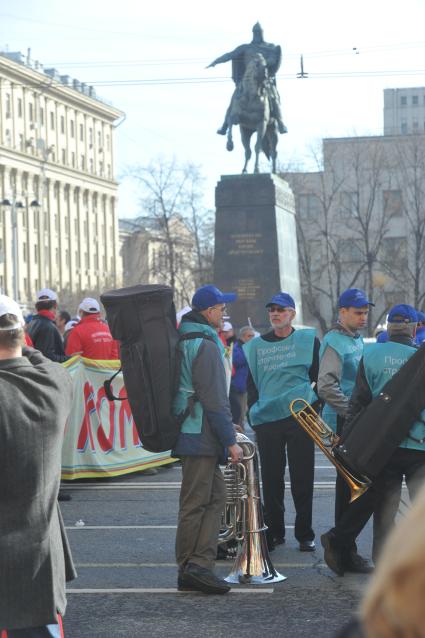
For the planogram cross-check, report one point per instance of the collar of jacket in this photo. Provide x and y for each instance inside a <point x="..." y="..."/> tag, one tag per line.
<point x="48" y="314"/>
<point x="340" y="328"/>
<point x="16" y="362"/>
<point x="405" y="341"/>
<point x="94" y="316"/>
<point x="195" y="317"/>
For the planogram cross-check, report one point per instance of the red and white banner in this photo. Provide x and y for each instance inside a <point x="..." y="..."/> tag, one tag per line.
<point x="101" y="438"/>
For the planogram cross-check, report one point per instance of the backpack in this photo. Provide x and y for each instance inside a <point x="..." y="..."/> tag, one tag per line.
<point x="143" y="319"/>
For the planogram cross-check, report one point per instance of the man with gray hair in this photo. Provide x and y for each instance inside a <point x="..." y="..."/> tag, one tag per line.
<point x="35" y="561"/>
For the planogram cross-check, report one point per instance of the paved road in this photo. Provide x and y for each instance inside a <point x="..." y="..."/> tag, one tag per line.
<point x="127" y="576"/>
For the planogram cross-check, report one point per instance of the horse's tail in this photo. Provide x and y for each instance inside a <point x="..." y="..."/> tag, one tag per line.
<point x="266" y="145"/>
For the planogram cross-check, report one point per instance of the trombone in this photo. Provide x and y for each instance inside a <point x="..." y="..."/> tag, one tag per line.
<point x="326" y="439"/>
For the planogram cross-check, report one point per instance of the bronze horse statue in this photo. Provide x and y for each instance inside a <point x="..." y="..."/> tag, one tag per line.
<point x="251" y="109"/>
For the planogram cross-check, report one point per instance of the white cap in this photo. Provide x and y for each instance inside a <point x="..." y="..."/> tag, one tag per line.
<point x="70" y="324"/>
<point x="227" y="326"/>
<point x="9" y="307"/>
<point x="182" y="312"/>
<point x="45" y="294"/>
<point x="89" y="305"/>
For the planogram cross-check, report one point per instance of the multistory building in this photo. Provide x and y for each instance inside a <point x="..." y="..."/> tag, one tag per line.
<point x="150" y="257"/>
<point x="58" y="218"/>
<point x="404" y="111"/>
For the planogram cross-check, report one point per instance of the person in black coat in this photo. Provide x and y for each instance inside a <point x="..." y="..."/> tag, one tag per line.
<point x="43" y="329"/>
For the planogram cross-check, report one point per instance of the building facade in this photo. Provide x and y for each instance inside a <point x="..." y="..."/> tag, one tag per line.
<point x="148" y="257"/>
<point x="58" y="219"/>
<point x="361" y="223"/>
<point x="404" y="111"/>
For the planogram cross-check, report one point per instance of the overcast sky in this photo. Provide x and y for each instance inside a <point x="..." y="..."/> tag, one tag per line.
<point x="149" y="60"/>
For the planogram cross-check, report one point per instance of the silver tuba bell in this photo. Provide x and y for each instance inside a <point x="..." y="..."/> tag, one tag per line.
<point x="243" y="520"/>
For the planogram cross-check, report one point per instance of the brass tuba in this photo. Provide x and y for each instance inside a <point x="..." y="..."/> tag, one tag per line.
<point x="326" y="439"/>
<point x="243" y="520"/>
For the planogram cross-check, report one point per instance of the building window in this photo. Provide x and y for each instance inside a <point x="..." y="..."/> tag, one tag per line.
<point x="21" y="142"/>
<point x="41" y="116"/>
<point x="349" y="251"/>
<point x="52" y="121"/>
<point x="392" y="203"/>
<point x="72" y="128"/>
<point x="77" y="259"/>
<point x="394" y="252"/>
<point x="109" y="171"/>
<point x="108" y="143"/>
<point x="31" y="112"/>
<point x="349" y="204"/>
<point x="415" y="125"/>
<point x="73" y="160"/>
<point x="35" y="253"/>
<point x="91" y="137"/>
<point x="8" y="105"/>
<point x="19" y="107"/>
<point x="62" y="124"/>
<point x="24" y="252"/>
<point x="91" y="165"/>
<point x="403" y="127"/>
<point x="82" y="132"/>
<point x="63" y="156"/>
<point x="83" y="162"/>
<point x="403" y="100"/>
<point x="67" y="257"/>
<point x="415" y="100"/>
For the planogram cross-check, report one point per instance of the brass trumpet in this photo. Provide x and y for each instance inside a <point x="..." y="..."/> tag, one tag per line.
<point x="326" y="439"/>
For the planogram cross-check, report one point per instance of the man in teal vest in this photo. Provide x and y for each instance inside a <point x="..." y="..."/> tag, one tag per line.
<point x="340" y="354"/>
<point x="283" y="366"/>
<point x="380" y="362"/>
<point x="206" y="439"/>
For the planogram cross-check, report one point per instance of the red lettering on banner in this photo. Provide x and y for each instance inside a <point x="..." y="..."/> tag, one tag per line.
<point x="106" y="442"/>
<point x="125" y="418"/>
<point x="86" y="434"/>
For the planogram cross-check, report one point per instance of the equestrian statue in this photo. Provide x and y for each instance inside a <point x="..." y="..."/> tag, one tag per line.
<point x="255" y="103"/>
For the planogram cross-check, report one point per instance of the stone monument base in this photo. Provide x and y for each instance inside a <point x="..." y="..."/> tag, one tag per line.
<point x="256" y="252"/>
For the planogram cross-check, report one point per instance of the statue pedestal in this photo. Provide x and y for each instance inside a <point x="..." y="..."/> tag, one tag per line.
<point x="256" y="252"/>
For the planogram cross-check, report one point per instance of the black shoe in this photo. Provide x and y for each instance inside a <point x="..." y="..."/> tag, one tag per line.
<point x="332" y="555"/>
<point x="62" y="496"/>
<point x="204" y="580"/>
<point x="182" y="585"/>
<point x="355" y="563"/>
<point x="307" y="546"/>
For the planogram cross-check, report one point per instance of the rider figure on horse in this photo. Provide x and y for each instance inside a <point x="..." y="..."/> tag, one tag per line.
<point x="240" y="57"/>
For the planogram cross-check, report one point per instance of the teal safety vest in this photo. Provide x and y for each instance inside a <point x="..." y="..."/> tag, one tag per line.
<point x="381" y="361"/>
<point x="280" y="370"/>
<point x="193" y="422"/>
<point x="350" y="351"/>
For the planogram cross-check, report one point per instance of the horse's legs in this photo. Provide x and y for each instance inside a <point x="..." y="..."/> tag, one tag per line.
<point x="246" y="139"/>
<point x="261" y="131"/>
<point x="229" y="144"/>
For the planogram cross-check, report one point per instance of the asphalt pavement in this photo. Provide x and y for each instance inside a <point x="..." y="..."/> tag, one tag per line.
<point x="122" y="534"/>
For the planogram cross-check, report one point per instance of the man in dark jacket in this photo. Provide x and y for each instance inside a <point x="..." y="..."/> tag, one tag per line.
<point x="43" y="330"/>
<point x="238" y="394"/>
<point x="205" y="434"/>
<point x="35" y="561"/>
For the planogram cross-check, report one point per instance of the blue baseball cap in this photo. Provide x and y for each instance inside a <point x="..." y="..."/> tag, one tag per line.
<point x="282" y="299"/>
<point x="421" y="316"/>
<point x="208" y="296"/>
<point x="353" y="298"/>
<point x="402" y="313"/>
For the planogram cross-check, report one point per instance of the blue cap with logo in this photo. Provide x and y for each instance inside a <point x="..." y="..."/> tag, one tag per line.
<point x="208" y="296"/>
<point x="402" y="313"/>
<point x="281" y="299"/>
<point x="353" y="298"/>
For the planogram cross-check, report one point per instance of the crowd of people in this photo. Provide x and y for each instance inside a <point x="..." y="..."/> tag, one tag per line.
<point x="252" y="378"/>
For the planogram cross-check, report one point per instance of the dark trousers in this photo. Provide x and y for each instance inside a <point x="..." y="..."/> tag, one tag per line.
<point x="406" y="463"/>
<point x="350" y="518"/>
<point x="276" y="441"/>
<point x="202" y="501"/>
